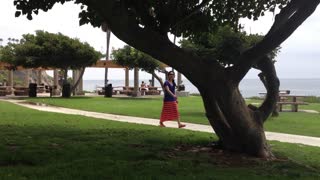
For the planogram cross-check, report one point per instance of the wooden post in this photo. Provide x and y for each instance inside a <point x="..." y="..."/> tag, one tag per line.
<point x="80" y="85"/>
<point x="55" y="82"/>
<point x="39" y="77"/>
<point x="127" y="77"/>
<point x="152" y="80"/>
<point x="179" y="80"/>
<point x="136" y="91"/>
<point x="74" y="78"/>
<point x="27" y="77"/>
<point x="10" y="78"/>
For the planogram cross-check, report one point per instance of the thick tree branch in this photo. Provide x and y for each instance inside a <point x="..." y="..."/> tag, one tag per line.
<point x="145" y="39"/>
<point x="272" y="86"/>
<point x="285" y="14"/>
<point x="273" y="40"/>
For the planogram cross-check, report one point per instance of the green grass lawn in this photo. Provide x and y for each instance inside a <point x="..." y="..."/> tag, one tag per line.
<point x="191" y="110"/>
<point x="39" y="145"/>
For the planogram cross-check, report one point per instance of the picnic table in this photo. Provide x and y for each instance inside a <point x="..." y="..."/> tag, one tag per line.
<point x="21" y="91"/>
<point x="5" y="90"/>
<point x="290" y="99"/>
<point x="153" y="91"/>
<point x="285" y="98"/>
<point x="41" y="89"/>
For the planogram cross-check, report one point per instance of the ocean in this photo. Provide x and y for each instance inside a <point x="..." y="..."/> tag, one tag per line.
<point x="248" y="87"/>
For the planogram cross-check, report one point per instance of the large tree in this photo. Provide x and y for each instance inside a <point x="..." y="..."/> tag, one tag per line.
<point x="145" y="24"/>
<point x="49" y="50"/>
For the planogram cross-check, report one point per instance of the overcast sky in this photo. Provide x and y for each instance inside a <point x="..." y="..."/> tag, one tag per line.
<point x="299" y="56"/>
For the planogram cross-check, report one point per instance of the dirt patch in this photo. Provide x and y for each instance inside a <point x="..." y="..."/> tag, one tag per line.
<point x="220" y="157"/>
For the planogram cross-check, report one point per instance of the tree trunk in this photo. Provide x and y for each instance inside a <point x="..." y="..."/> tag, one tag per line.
<point x="136" y="91"/>
<point x="235" y="124"/>
<point x="65" y="76"/>
<point x="238" y="126"/>
<point x="78" y="80"/>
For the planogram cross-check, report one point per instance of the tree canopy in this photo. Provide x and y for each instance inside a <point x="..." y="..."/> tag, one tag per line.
<point x="223" y="44"/>
<point x="46" y="49"/>
<point x="131" y="58"/>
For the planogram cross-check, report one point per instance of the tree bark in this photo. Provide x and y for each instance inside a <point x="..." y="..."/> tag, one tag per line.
<point x="78" y="80"/>
<point x="238" y="127"/>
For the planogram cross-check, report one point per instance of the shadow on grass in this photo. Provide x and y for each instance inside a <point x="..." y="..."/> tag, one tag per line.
<point x="116" y="150"/>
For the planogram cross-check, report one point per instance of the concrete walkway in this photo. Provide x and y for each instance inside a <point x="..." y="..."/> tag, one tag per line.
<point x="306" y="140"/>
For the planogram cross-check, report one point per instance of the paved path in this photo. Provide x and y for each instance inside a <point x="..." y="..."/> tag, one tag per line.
<point x="306" y="140"/>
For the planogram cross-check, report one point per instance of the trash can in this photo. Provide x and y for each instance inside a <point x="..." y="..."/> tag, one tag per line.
<point x="66" y="90"/>
<point x="108" y="90"/>
<point x="32" y="90"/>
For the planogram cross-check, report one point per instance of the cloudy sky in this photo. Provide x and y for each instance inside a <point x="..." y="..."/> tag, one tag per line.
<point x="299" y="56"/>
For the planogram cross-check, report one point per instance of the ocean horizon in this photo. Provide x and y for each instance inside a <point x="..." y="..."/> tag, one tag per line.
<point x="248" y="87"/>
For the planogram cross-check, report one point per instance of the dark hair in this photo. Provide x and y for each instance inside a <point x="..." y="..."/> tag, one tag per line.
<point x="172" y="72"/>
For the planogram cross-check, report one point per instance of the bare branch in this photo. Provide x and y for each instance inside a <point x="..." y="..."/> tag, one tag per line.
<point x="271" y="83"/>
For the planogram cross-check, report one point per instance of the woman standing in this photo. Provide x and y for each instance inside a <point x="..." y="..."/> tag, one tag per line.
<point x="170" y="104"/>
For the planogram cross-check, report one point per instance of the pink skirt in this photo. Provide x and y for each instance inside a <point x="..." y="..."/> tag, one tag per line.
<point x="169" y="111"/>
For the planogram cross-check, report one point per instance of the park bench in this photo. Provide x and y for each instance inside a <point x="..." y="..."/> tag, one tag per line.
<point x="126" y="90"/>
<point x="5" y="90"/>
<point x="294" y="105"/>
<point x="153" y="91"/>
<point x="21" y="91"/>
<point x="101" y="91"/>
<point x="285" y="98"/>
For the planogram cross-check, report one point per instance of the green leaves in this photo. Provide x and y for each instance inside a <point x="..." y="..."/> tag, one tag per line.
<point x="131" y="58"/>
<point x="51" y="50"/>
<point x="175" y="16"/>
<point x="224" y="44"/>
<point x="17" y="14"/>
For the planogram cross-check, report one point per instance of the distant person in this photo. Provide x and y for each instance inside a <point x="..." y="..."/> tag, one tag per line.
<point x="143" y="88"/>
<point x="170" y="104"/>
